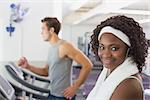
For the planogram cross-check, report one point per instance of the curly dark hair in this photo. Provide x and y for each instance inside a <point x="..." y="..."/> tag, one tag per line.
<point x="139" y="46"/>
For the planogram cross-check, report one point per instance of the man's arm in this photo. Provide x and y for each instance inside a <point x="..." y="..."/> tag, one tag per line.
<point x="79" y="57"/>
<point x="43" y="71"/>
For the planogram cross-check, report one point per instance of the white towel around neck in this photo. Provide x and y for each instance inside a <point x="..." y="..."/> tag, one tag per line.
<point x="105" y="87"/>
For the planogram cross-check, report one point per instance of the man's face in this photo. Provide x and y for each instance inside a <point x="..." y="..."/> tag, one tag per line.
<point x="112" y="51"/>
<point x="45" y="32"/>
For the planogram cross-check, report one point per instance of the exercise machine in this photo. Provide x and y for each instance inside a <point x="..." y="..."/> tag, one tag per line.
<point x="25" y="84"/>
<point x="7" y="92"/>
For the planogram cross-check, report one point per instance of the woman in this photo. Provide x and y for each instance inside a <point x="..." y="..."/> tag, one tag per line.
<point x="121" y="45"/>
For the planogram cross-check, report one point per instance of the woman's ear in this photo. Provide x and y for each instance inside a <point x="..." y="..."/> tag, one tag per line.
<point x="127" y="53"/>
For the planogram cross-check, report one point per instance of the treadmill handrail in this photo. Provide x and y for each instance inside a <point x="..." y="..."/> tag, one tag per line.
<point x="37" y="77"/>
<point x="36" y="94"/>
<point x="22" y="71"/>
<point x="14" y="75"/>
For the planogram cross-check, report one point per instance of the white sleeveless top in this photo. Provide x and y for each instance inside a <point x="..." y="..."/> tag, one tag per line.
<point x="105" y="86"/>
<point x="140" y="81"/>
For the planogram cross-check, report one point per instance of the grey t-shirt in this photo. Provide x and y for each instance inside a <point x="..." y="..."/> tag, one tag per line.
<point x="59" y="70"/>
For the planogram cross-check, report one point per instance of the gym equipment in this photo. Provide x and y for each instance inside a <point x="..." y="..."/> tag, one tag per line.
<point x="27" y="85"/>
<point x="7" y="92"/>
<point x="26" y="75"/>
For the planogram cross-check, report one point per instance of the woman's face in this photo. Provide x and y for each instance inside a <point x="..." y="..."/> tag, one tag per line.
<point x="112" y="51"/>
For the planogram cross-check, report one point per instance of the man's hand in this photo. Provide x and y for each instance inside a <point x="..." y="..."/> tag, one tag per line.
<point x="23" y="62"/>
<point x="70" y="92"/>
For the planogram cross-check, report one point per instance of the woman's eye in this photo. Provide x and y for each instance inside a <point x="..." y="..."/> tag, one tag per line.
<point x="114" y="49"/>
<point x="101" y="48"/>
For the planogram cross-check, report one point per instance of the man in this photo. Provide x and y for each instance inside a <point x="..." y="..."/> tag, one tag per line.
<point x="58" y="67"/>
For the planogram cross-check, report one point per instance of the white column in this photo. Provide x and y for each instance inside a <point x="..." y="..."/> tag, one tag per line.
<point x="57" y="12"/>
<point x="1" y="41"/>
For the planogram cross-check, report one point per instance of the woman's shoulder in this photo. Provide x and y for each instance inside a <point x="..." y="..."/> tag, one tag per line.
<point x="129" y="88"/>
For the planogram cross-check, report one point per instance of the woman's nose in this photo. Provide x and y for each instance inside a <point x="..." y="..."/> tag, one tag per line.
<point x="106" y="53"/>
